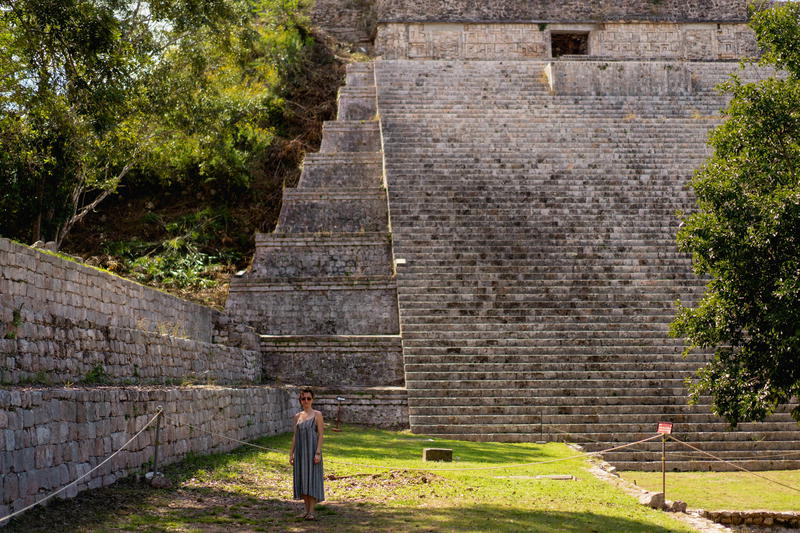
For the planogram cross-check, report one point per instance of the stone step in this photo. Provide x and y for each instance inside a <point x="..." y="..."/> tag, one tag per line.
<point x="591" y="403"/>
<point x="345" y="170"/>
<point x="322" y="210"/>
<point x="570" y="358"/>
<point x="431" y="393"/>
<point x="653" y="464"/>
<point x="322" y="255"/>
<point x="350" y="136"/>
<point x="472" y="389"/>
<point x="547" y="414"/>
<point x="643" y="373"/>
<point x="356" y="78"/>
<point x="492" y="317"/>
<point x="503" y="344"/>
<point x="346" y="306"/>
<point x="547" y="297"/>
<point x="357" y="103"/>
<point x="514" y="333"/>
<point x="530" y="324"/>
<point x="575" y="425"/>
<point x="539" y="384"/>
<point x="617" y="433"/>
<point x="356" y="361"/>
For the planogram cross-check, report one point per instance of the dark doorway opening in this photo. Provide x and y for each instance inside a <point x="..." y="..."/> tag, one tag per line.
<point x="570" y="44"/>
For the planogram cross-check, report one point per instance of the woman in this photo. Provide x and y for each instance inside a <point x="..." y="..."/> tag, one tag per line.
<point x="306" y="454"/>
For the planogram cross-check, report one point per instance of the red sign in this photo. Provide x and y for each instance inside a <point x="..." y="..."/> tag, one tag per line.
<point x="665" y="428"/>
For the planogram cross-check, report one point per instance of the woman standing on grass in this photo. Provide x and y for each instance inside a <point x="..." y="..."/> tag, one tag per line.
<point x="306" y="454"/>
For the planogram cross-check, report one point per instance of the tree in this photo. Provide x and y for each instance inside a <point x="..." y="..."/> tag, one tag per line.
<point x="745" y="237"/>
<point x="94" y="90"/>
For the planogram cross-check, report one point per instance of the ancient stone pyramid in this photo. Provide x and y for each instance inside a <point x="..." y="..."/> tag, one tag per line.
<point x="484" y="248"/>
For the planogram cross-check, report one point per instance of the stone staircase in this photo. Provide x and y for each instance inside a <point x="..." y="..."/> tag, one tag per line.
<point x="322" y="290"/>
<point x="534" y="232"/>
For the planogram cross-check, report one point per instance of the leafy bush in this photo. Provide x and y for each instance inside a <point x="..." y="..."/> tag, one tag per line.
<point x="184" y="259"/>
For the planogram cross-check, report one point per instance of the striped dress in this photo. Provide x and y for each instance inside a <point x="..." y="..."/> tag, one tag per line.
<point x="307" y="475"/>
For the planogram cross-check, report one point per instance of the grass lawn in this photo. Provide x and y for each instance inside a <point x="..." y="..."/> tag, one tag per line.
<point x="726" y="491"/>
<point x="250" y="490"/>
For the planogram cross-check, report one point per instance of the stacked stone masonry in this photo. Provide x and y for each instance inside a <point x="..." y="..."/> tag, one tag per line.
<point x="50" y="437"/>
<point x="348" y="20"/>
<point x="64" y="322"/>
<point x="535" y="215"/>
<point x="322" y="290"/>
<point x="562" y="10"/>
<point x="358" y="21"/>
<point x="86" y="294"/>
<point x="684" y="41"/>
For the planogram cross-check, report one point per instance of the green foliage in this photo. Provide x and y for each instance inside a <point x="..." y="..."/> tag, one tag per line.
<point x="184" y="259"/>
<point x="16" y="322"/>
<point x="745" y="237"/>
<point x="96" y="376"/>
<point x="96" y="91"/>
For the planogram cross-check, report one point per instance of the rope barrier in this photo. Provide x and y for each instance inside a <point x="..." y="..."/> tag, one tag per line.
<point x="65" y="487"/>
<point x="688" y="455"/>
<point x="419" y="469"/>
<point x="743" y="469"/>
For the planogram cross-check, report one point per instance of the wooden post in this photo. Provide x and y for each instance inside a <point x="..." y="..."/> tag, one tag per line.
<point x="664" y="465"/>
<point x="158" y="437"/>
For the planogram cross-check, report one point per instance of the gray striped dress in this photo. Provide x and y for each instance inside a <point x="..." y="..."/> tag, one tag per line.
<point x="307" y="475"/>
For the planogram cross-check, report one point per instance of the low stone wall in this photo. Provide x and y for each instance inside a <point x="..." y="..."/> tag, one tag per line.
<point x="49" y="285"/>
<point x="50" y="437"/>
<point x="506" y="41"/>
<point x="336" y="307"/>
<point x="67" y="352"/>
<point x="339" y="212"/>
<point x="309" y="256"/>
<point x="349" y="361"/>
<point x="61" y="322"/>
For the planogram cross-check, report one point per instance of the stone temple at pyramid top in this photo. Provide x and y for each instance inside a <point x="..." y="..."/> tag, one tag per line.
<point x="515" y="29"/>
<point x="693" y="30"/>
<point x="562" y="11"/>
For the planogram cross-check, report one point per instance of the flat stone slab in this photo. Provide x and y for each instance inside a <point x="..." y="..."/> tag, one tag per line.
<point x="437" y="454"/>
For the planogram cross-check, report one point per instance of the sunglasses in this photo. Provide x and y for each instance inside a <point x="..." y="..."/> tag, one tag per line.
<point x="305" y="398"/>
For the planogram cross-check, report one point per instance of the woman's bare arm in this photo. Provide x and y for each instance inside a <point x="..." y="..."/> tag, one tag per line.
<point x="320" y="430"/>
<point x="294" y="438"/>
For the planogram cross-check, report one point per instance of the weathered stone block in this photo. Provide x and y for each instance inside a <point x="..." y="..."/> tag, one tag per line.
<point x="437" y="454"/>
<point x="653" y="499"/>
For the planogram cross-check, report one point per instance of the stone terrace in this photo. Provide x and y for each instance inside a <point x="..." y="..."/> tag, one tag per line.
<point x="322" y="289"/>
<point x="537" y="223"/>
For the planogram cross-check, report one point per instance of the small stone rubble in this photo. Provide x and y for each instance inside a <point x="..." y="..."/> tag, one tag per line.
<point x="757" y="519"/>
